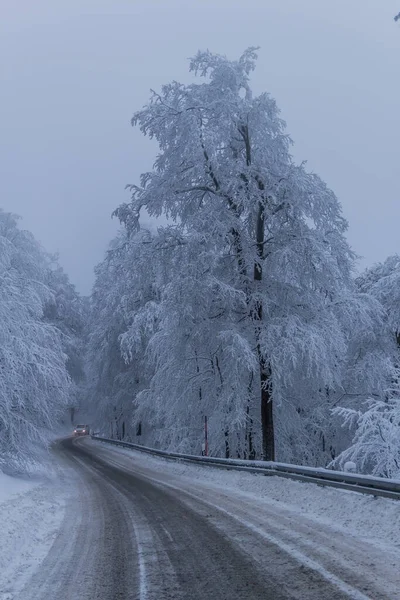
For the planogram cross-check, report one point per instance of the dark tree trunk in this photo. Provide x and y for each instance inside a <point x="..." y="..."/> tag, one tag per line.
<point x="256" y="310"/>
<point x="239" y="446"/>
<point x="267" y="420"/>
<point x="252" y="451"/>
<point x="267" y="416"/>
<point x="227" y="448"/>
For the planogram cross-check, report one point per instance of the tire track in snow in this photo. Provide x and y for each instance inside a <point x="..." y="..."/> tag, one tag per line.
<point x="153" y="498"/>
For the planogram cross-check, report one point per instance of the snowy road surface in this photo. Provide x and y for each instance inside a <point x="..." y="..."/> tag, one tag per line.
<point x="132" y="531"/>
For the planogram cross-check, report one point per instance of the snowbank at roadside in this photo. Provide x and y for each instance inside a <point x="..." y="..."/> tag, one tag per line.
<point x="31" y="512"/>
<point x="13" y="486"/>
<point x="359" y="515"/>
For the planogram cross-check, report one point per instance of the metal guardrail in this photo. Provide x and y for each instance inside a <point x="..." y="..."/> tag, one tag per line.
<point x="376" y="486"/>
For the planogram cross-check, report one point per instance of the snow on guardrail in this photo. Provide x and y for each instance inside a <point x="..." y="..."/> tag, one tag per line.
<point x="366" y="484"/>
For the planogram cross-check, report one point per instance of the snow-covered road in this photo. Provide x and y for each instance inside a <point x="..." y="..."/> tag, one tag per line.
<point x="138" y="528"/>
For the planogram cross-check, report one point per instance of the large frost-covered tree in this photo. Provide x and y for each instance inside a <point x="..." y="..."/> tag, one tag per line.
<point x="34" y="383"/>
<point x="375" y="423"/>
<point x="262" y="279"/>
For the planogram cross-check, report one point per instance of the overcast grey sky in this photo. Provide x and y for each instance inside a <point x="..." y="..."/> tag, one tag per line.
<point x="72" y="72"/>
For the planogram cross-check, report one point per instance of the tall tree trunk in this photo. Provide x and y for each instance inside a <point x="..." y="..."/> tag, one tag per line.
<point x="267" y="416"/>
<point x="267" y="421"/>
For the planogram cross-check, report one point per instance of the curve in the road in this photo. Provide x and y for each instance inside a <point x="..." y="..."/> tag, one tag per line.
<point x="127" y="537"/>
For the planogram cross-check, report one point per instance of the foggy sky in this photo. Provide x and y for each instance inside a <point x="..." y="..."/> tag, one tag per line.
<point x="72" y="72"/>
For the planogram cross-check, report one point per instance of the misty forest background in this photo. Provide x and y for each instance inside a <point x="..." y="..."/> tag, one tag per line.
<point x="246" y="308"/>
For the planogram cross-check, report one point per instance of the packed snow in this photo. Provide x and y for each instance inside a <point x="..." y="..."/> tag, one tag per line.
<point x="31" y="512"/>
<point x="14" y="486"/>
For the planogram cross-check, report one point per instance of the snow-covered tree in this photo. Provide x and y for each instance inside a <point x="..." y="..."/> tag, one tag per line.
<point x="195" y="316"/>
<point x="123" y="284"/>
<point x="382" y="281"/>
<point x="264" y="244"/>
<point x="34" y="383"/>
<point x="375" y="448"/>
<point x="375" y="423"/>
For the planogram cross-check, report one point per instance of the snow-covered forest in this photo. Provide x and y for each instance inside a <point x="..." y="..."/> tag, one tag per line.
<point x="245" y="307"/>
<point x="42" y="319"/>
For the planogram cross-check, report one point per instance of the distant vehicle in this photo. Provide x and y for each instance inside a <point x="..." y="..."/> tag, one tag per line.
<point x="81" y="430"/>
